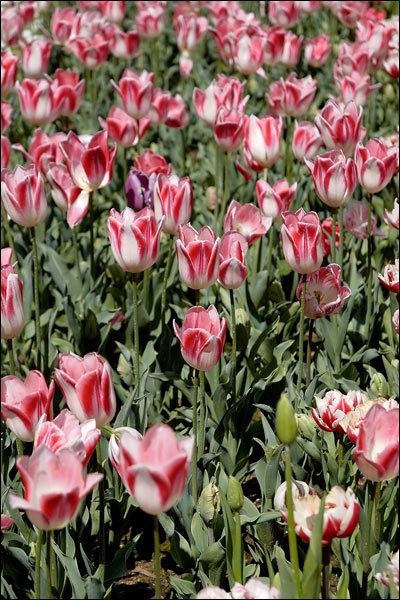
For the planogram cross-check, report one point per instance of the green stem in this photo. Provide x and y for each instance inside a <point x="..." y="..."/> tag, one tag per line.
<point x="366" y="555"/>
<point x="333" y="238"/>
<point x="369" y="275"/>
<point x="216" y="181"/>
<point x="93" y="101"/>
<point x="288" y="157"/>
<point x="234" y="344"/>
<point x="202" y="432"/>
<point x="11" y="356"/>
<point x="197" y="297"/>
<point x="36" y="296"/>
<point x="48" y="564"/>
<point x="309" y="347"/>
<point x="294" y="558"/>
<point x="195" y="435"/>
<point x="39" y="540"/>
<point x="341" y="236"/>
<point x="4" y="218"/>
<point x="20" y="447"/>
<point x="225" y="194"/>
<point x="301" y="337"/>
<point x="183" y="149"/>
<point x="269" y="258"/>
<point x="167" y="271"/>
<point x="76" y="252"/>
<point x="155" y="61"/>
<point x="326" y="560"/>
<point x="378" y="513"/>
<point x="237" y="558"/>
<point x="136" y="334"/>
<point x="157" y="558"/>
<point x="91" y="247"/>
<point x="102" y="506"/>
<point x="146" y="274"/>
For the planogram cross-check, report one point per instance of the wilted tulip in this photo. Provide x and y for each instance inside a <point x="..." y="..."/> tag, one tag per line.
<point x="24" y="196"/>
<point x="274" y="200"/>
<point x="335" y="178"/>
<point x="301" y="238"/>
<point x="173" y="198"/>
<point x="325" y="294"/>
<point x="198" y="256"/>
<point x="248" y="220"/>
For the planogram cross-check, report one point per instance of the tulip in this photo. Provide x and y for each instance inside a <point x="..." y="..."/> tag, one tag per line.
<point x="224" y="91"/>
<point x="6" y="257"/>
<point x="309" y="7"/>
<point x="340" y="127"/>
<point x="376" y="164"/>
<point x="12" y="310"/>
<point x="198" y="256"/>
<point x="5" y="151"/>
<point x="6" y="115"/>
<point x="24" y="196"/>
<point x="292" y="97"/>
<point x="327" y="232"/>
<point x="249" y="53"/>
<point x="306" y="140"/>
<point x="92" y="52"/>
<point x="202" y="337"/>
<point x="173" y="198"/>
<point x="23" y="403"/>
<point x="6" y="522"/>
<point x="54" y="487"/>
<point x="136" y="92"/>
<point x="35" y="58"/>
<point x="90" y="165"/>
<point x="150" y="21"/>
<point x="262" y="140"/>
<point x="335" y="178"/>
<point x="254" y="588"/>
<point x="290" y="53"/>
<point x="113" y="11"/>
<point x="44" y="149"/>
<point x="355" y="88"/>
<point x="154" y="469"/>
<point x="190" y="30"/>
<point x="124" y="44"/>
<point x="61" y="24"/>
<point x="177" y="113"/>
<point x="391" y="63"/>
<point x="355" y="219"/>
<point x="276" y="199"/>
<point x="351" y="422"/>
<point x="134" y="238"/>
<point x="115" y="441"/>
<point x="67" y="196"/>
<point x="275" y="40"/>
<point x="87" y="387"/>
<point x="332" y="408"/>
<point x="185" y="65"/>
<point x="247" y="220"/>
<point x="390" y="277"/>
<point x="139" y="189"/>
<point x="150" y="163"/>
<point x="301" y="238"/>
<point x="12" y="25"/>
<point x="350" y="13"/>
<point x="299" y="490"/>
<point x="341" y="514"/>
<point x="228" y="129"/>
<point x="38" y="102"/>
<point x="284" y="14"/>
<point x="9" y="68"/>
<point x="375" y="36"/>
<point x="396" y="321"/>
<point x="68" y="87"/>
<point x="352" y="58"/>
<point x="390" y="574"/>
<point x="325" y="295"/>
<point x="121" y="128"/>
<point x="232" y="268"/>
<point x="377" y="449"/>
<point x="392" y="217"/>
<point x="317" y="51"/>
<point x="160" y="103"/>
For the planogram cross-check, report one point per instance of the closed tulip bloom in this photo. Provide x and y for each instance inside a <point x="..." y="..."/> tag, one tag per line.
<point x="120" y="127"/>
<point x="291" y="49"/>
<point x="350" y="13"/>
<point x="12" y="310"/>
<point x="44" y="149"/>
<point x="173" y="198"/>
<point x="5" y="151"/>
<point x="9" y="68"/>
<point x="340" y="126"/>
<point x="6" y="115"/>
<point x="202" y="337"/>
<point x="134" y="238"/>
<point x="376" y="164"/>
<point x="150" y="21"/>
<point x="23" y="403"/>
<point x="90" y="165"/>
<point x="317" y="51"/>
<point x="355" y="88"/>
<point x="335" y="178"/>
<point x="150" y="163"/>
<point x="390" y="277"/>
<point x="66" y="195"/>
<point x="136" y="92"/>
<point x="54" y="487"/>
<point x="247" y="220"/>
<point x="232" y="268"/>
<point x="35" y="58"/>
<point x="325" y="294"/>
<point x="24" y="196"/>
<point x="285" y="14"/>
<point x="114" y="444"/>
<point x="38" y="102"/>
<point x="275" y="41"/>
<point x="332" y="408"/>
<point x="198" y="256"/>
<point x="91" y="52"/>
<point x="292" y="97"/>
<point x="113" y="11"/>
<point x="341" y="514"/>
<point x="177" y="113"/>
<point x="262" y="140"/>
<point x="68" y="87"/>
<point x="154" y="469"/>
<point x="249" y="55"/>
<point x="377" y="449"/>
<point x="306" y="140"/>
<point x="124" y="44"/>
<point x="228" y="129"/>
<point x="160" y="104"/>
<point x="61" y="24"/>
<point x="87" y="386"/>
<point x="353" y="419"/>
<point x="274" y="200"/>
<point x="190" y="30"/>
<point x="392" y="217"/>
<point x="355" y="219"/>
<point x="139" y="189"/>
<point x="65" y="431"/>
<point x="223" y="91"/>
<point x="301" y="238"/>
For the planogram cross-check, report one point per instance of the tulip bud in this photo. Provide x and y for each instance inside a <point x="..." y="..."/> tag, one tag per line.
<point x="209" y="504"/>
<point x="306" y="426"/>
<point x="243" y="328"/>
<point x="389" y="92"/>
<point x="234" y="494"/>
<point x="379" y="385"/>
<point x="286" y="426"/>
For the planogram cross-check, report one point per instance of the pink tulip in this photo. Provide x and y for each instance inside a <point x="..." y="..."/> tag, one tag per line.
<point x="12" y="310"/>
<point x="54" y="487"/>
<point x="396" y="321"/>
<point x="136" y="92"/>
<point x="377" y="449"/>
<point x="61" y="24"/>
<point x="113" y="11"/>
<point x="325" y="294"/>
<point x="9" y="68"/>
<point x="276" y="199"/>
<point x="247" y="220"/>
<point x="223" y="91"/>
<point x="65" y="431"/>
<point x="6" y="257"/>
<point x="202" y="337"/>
<point x="228" y="129"/>
<point x="151" y="163"/>
<point x="67" y="196"/>
<point x="390" y="576"/>
<point x="6" y="522"/>
<point x="68" y="88"/>
<point x="185" y="65"/>
<point x="390" y="277"/>
<point x="90" y="165"/>
<point x="292" y="97"/>
<point x="262" y="140"/>
<point x="335" y="178"/>
<point x="124" y="44"/>
<point x="154" y="469"/>
<point x="38" y="102"/>
<point x="392" y="217"/>
<point x="115" y="442"/>
<point x="355" y="88"/>
<point x="391" y="63"/>
<point x="306" y="140"/>
<point x="318" y="50"/>
<point x="134" y="238"/>
<point x="12" y="25"/>
<point x="375" y="36"/>
<point x="309" y="7"/>
<point x="376" y="164"/>
<point x="198" y="256"/>
<point x="284" y="14"/>
<point x="6" y="115"/>
<point x="91" y="52"/>
<point x="355" y="219"/>
<point x="232" y="268"/>
<point x="353" y="419"/>
<point x="177" y="112"/>
<point x="43" y="150"/>
<point x="150" y="21"/>
<point x="254" y="588"/>
<point x="5" y="152"/>
<point x="173" y="198"/>
<point x="332" y="408"/>
<point x="327" y="232"/>
<point x="24" y="196"/>
<point x="291" y="49"/>
<point x="249" y="53"/>
<point x="23" y="403"/>
<point x="190" y="30"/>
<point x="35" y="58"/>
<point x="120" y="127"/>
<point x="353" y="58"/>
<point x="301" y="238"/>
<point x="350" y="13"/>
<point x="340" y="127"/>
<point x="87" y="387"/>
<point x="160" y="103"/>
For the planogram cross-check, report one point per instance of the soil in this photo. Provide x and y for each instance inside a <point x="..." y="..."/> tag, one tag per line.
<point x="139" y="583"/>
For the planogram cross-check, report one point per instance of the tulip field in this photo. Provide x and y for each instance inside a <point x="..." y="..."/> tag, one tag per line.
<point x="199" y="300"/>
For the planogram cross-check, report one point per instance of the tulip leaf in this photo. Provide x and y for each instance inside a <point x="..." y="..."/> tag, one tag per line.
<point x="288" y="586"/>
<point x="181" y="551"/>
<point x="72" y="571"/>
<point x="311" y="585"/>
